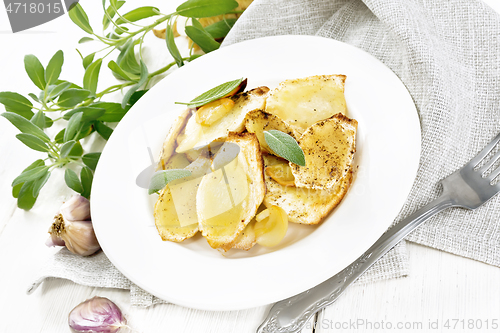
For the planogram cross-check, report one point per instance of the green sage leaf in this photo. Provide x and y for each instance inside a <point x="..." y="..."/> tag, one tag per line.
<point x="120" y="74"/>
<point x="71" y="179"/>
<point x="88" y="60"/>
<point x="161" y="178"/>
<point x="54" y="67"/>
<point x="91" y="160"/>
<point x="221" y="28"/>
<point x="33" y="142"/>
<point x="103" y="130"/>
<point x="59" y="138"/>
<point x="90" y="113"/>
<point x="85" y="129"/>
<point x="17" y="188"/>
<point x="35" y="71"/>
<point x="25" y="126"/>
<point x="25" y="114"/>
<point x="111" y="11"/>
<point x="85" y="40"/>
<point x="135" y="87"/>
<point x="71" y="148"/>
<point x="73" y="125"/>
<point x="39" y="183"/>
<point x="214" y="93"/>
<point x="205" y="8"/>
<point x="91" y="76"/>
<point x="138" y="14"/>
<point x="86" y="176"/>
<point x="172" y="47"/>
<point x="34" y="97"/>
<point x="113" y="111"/>
<point x="285" y="146"/>
<point x="26" y="200"/>
<point x="80" y="18"/>
<point x="29" y="175"/>
<point x="15" y="101"/>
<point x="136" y="96"/>
<point x="202" y="38"/>
<point x="72" y="97"/>
<point x="58" y="90"/>
<point x="39" y="120"/>
<point x="127" y="60"/>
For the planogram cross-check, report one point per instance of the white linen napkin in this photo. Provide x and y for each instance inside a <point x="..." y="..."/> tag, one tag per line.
<point x="446" y="53"/>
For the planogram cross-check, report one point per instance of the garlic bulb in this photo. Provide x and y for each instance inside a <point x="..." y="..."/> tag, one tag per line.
<point x="96" y="315"/>
<point x="77" y="235"/>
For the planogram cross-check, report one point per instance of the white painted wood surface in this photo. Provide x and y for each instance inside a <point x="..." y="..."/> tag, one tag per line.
<point x="440" y="287"/>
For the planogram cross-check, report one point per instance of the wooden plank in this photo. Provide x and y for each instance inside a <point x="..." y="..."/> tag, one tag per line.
<point x="441" y="287"/>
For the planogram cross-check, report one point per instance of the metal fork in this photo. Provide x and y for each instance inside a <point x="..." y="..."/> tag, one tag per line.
<point x="467" y="187"/>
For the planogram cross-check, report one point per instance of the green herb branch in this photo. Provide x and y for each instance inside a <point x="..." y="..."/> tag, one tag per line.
<point x="82" y="110"/>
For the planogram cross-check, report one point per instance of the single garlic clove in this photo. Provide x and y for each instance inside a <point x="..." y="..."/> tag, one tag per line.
<point x="96" y="315"/>
<point x="76" y="209"/>
<point x="78" y="236"/>
<point x="54" y="241"/>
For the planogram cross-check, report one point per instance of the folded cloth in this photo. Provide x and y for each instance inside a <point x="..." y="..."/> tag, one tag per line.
<point x="446" y="53"/>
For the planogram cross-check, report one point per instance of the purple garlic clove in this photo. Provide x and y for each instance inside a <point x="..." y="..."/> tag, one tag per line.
<point x="96" y="315"/>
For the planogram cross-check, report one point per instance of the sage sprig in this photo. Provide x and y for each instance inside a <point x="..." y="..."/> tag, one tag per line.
<point x="79" y="105"/>
<point x="285" y="146"/>
<point x="213" y="94"/>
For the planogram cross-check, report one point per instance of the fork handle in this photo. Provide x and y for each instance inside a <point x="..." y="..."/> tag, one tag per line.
<point x="291" y="314"/>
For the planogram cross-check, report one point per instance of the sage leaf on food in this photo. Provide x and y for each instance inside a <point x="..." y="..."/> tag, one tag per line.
<point x="35" y="70"/>
<point x="71" y="179"/>
<point x="138" y="14"/>
<point x="205" y="8"/>
<point x="213" y="94"/>
<point x="54" y="67"/>
<point x="161" y="178"/>
<point x="80" y="18"/>
<point x="285" y="146"/>
<point x="33" y="142"/>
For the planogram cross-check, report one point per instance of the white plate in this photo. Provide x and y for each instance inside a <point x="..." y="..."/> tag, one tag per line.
<point x="194" y="275"/>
